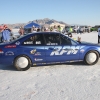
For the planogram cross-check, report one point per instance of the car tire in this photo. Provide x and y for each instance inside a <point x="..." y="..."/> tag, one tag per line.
<point x="91" y="57"/>
<point x="22" y="63"/>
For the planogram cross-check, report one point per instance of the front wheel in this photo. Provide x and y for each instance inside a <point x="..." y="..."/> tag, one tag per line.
<point x="91" y="58"/>
<point x="22" y="63"/>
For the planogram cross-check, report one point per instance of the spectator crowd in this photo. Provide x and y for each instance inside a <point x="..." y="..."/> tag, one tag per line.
<point x="5" y="32"/>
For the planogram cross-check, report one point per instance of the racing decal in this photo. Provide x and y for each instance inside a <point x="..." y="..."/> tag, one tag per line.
<point x="32" y="51"/>
<point x="17" y="43"/>
<point x="52" y="44"/>
<point x="9" y="53"/>
<point x="29" y="42"/>
<point x="10" y="46"/>
<point x="38" y="42"/>
<point x="67" y="52"/>
<point x="82" y="50"/>
<point x="38" y="59"/>
<point x="37" y="54"/>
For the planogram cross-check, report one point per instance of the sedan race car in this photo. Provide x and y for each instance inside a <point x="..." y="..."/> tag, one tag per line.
<point x="43" y="48"/>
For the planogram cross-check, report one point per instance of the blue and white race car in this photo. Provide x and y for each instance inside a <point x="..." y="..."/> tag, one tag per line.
<point x="47" y="48"/>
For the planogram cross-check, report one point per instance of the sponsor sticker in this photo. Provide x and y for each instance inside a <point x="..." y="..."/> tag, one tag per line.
<point x="82" y="50"/>
<point x="9" y="53"/>
<point x="29" y="42"/>
<point x="33" y="51"/>
<point x="37" y="54"/>
<point x="52" y="43"/>
<point x="38" y="42"/>
<point x="17" y="43"/>
<point x="38" y="59"/>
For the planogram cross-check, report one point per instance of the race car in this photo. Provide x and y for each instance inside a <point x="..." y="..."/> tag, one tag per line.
<point x="43" y="48"/>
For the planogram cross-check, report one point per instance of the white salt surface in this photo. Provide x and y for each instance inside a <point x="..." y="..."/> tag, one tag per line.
<point x="74" y="81"/>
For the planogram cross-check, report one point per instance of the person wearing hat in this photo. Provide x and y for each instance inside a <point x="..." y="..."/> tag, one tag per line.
<point x="5" y="26"/>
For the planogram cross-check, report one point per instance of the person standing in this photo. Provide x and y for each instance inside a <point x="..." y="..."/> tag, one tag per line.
<point x="33" y="29"/>
<point x="70" y="31"/>
<point x="99" y="34"/>
<point x="77" y="29"/>
<point x="59" y="28"/>
<point x="5" y="34"/>
<point x="38" y="29"/>
<point x="54" y="29"/>
<point x="21" y="31"/>
<point x="1" y="30"/>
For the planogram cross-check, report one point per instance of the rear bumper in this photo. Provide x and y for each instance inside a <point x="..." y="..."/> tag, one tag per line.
<point x="6" y="60"/>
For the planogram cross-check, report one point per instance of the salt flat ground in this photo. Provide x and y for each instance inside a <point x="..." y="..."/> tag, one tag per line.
<point x="74" y="81"/>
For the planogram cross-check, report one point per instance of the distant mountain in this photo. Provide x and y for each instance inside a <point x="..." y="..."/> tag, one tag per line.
<point x="48" y="21"/>
<point x="43" y="22"/>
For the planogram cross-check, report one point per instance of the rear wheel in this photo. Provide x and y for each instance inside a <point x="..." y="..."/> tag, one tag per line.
<point x="91" y="58"/>
<point x="22" y="63"/>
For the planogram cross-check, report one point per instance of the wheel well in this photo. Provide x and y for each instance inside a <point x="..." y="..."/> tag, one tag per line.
<point x="94" y="51"/>
<point x="23" y="55"/>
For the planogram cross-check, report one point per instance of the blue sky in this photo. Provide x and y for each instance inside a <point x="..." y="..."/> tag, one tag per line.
<point x="84" y="12"/>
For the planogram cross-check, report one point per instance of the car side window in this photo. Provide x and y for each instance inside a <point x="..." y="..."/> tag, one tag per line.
<point x="52" y="39"/>
<point x="65" y="40"/>
<point x="35" y="40"/>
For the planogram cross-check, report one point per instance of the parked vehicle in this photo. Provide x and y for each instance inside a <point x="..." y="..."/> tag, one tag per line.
<point x="95" y="28"/>
<point x="42" y="48"/>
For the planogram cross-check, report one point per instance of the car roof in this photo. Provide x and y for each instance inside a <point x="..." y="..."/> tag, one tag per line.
<point x="44" y="32"/>
<point x="41" y="33"/>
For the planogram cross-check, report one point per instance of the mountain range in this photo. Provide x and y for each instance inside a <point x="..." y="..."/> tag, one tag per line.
<point x="43" y="22"/>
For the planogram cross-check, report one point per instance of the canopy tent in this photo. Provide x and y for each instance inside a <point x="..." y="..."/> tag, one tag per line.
<point x="30" y="25"/>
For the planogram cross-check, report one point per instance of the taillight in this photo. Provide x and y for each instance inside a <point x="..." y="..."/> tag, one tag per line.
<point x="10" y="46"/>
<point x="1" y="51"/>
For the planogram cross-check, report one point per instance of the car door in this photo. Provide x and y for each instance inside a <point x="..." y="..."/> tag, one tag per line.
<point x="53" y="47"/>
<point x="70" y="48"/>
<point x="34" y="48"/>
